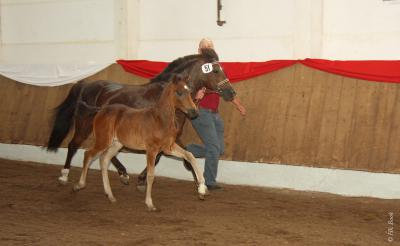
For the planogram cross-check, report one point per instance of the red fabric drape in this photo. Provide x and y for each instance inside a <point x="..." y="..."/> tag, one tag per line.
<point x="143" y="68"/>
<point x="381" y="71"/>
<point x="238" y="71"/>
<point x="235" y="71"/>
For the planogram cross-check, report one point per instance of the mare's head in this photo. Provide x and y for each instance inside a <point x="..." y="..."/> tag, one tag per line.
<point x="204" y="71"/>
<point x="182" y="95"/>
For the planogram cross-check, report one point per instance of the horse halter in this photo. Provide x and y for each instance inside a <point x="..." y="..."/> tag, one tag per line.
<point x="224" y="85"/>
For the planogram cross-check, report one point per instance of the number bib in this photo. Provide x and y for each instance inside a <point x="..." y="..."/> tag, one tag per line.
<point x="207" y="68"/>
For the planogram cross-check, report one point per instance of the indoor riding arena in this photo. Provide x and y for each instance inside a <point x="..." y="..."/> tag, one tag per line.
<point x="307" y="93"/>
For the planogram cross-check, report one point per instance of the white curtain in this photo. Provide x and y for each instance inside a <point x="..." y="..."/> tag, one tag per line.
<point x="50" y="74"/>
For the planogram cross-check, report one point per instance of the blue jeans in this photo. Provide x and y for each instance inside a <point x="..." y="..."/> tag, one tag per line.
<point x="210" y="128"/>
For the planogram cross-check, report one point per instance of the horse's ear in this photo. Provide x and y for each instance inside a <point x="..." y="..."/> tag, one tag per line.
<point x="176" y="77"/>
<point x="185" y="76"/>
<point x="209" y="54"/>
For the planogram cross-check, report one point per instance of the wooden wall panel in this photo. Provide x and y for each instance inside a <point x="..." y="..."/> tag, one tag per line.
<point x="330" y="107"/>
<point x="296" y="115"/>
<point x="344" y="123"/>
<point x="313" y="118"/>
<point x="393" y="151"/>
<point x="387" y="97"/>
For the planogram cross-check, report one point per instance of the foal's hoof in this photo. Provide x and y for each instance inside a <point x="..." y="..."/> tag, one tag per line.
<point x="112" y="199"/>
<point x="77" y="188"/>
<point x="202" y="191"/>
<point x="141" y="188"/>
<point x="124" y="178"/>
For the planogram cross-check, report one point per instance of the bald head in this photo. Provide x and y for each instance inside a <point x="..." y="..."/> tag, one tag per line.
<point x="205" y="43"/>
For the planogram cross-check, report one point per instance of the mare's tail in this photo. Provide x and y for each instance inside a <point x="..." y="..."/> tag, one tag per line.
<point x="64" y="117"/>
<point x="87" y="110"/>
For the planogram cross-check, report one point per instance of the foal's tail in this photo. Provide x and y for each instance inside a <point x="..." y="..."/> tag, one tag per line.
<point x="64" y="117"/>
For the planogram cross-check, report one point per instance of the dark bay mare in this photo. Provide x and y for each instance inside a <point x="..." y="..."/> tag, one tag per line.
<point x="203" y="70"/>
<point x="152" y="129"/>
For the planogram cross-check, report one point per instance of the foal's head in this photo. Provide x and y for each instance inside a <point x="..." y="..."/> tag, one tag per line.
<point x="182" y="95"/>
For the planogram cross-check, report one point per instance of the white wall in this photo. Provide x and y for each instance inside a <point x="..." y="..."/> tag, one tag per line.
<point x="96" y="31"/>
<point x="65" y="31"/>
<point x="255" y="30"/>
<point x="361" y="29"/>
<point x="270" y="29"/>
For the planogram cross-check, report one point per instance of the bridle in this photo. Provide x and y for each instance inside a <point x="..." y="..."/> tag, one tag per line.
<point x="224" y="84"/>
<point x="221" y="85"/>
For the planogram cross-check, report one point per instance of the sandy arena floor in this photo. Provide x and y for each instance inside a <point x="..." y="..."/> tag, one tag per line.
<point x="36" y="210"/>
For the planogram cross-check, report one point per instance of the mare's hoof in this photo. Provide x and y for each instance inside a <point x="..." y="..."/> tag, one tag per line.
<point x="141" y="188"/>
<point x="202" y="196"/>
<point x="62" y="180"/>
<point x="124" y="178"/>
<point x="152" y="209"/>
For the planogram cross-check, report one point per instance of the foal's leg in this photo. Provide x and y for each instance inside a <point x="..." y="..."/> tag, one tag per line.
<point x="105" y="163"/>
<point x="89" y="156"/>
<point x="150" y="178"/>
<point x="180" y="121"/>
<point x="178" y="151"/>
<point x="141" y="183"/>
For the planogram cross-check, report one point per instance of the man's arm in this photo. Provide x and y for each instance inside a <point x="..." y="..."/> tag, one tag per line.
<point x="239" y="106"/>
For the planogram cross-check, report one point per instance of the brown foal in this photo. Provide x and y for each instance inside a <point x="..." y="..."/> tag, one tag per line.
<point x="152" y="129"/>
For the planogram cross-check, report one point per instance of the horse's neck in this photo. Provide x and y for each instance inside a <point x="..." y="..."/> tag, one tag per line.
<point x="165" y="108"/>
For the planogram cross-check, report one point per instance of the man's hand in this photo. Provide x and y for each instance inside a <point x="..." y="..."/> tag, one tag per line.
<point x="200" y="94"/>
<point x="239" y="106"/>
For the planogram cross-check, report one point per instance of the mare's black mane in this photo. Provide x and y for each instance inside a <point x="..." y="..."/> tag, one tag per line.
<point x="180" y="64"/>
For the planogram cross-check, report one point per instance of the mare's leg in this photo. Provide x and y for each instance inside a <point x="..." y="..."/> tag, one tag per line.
<point x="180" y="152"/>
<point x="151" y="155"/>
<point x="187" y="165"/>
<point x="105" y="163"/>
<point x="123" y="175"/>
<point x="83" y="128"/>
<point x="141" y="183"/>
<point x="180" y="122"/>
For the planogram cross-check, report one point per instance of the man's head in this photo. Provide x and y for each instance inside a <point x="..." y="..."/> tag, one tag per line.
<point x="205" y="43"/>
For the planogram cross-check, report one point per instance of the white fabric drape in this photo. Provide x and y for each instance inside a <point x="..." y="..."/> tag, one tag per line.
<point x="49" y="74"/>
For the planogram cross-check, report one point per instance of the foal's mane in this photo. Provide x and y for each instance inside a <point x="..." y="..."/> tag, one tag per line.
<point x="180" y="64"/>
<point x="166" y="98"/>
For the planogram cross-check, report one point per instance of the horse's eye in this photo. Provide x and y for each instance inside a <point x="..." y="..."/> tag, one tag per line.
<point x="215" y="71"/>
<point x="179" y="93"/>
